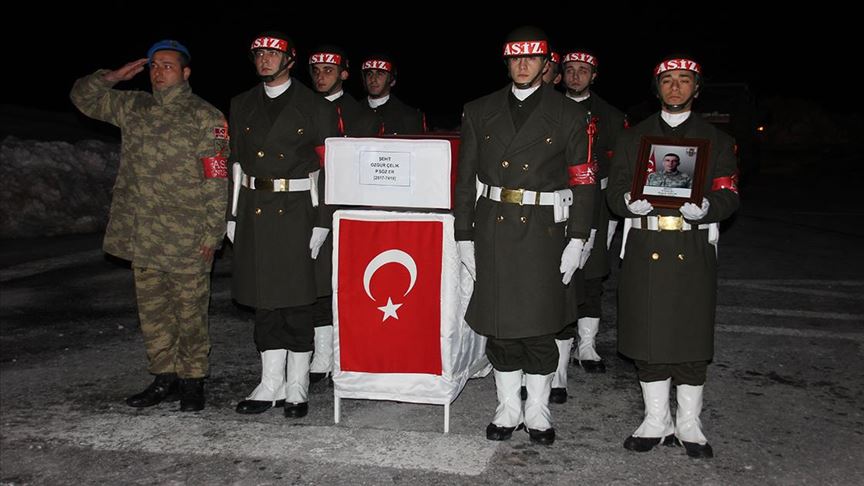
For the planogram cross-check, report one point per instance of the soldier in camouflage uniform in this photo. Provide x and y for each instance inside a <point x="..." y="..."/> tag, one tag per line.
<point x="670" y="177"/>
<point x="167" y="213"/>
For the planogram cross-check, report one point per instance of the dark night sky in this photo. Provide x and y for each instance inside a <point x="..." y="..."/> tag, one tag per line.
<point x="444" y="58"/>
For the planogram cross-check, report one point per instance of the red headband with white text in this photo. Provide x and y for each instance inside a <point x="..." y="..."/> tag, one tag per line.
<point x="577" y="56"/>
<point x="272" y="43"/>
<point x="377" y="64"/>
<point x="526" y="48"/>
<point x="674" y="64"/>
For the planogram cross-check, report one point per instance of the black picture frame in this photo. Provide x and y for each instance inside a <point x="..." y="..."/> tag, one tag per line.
<point x="670" y="189"/>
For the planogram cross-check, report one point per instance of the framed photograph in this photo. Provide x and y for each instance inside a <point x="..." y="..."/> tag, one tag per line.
<point x="670" y="171"/>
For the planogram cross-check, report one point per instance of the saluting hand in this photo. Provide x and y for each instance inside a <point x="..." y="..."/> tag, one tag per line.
<point x="127" y="72"/>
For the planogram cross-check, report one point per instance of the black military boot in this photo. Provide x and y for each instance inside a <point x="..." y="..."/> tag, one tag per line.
<point x="191" y="394"/>
<point x="316" y="377"/>
<point x="558" y="395"/>
<point x="163" y="388"/>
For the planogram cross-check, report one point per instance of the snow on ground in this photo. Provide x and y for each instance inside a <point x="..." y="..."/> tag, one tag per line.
<point x="55" y="188"/>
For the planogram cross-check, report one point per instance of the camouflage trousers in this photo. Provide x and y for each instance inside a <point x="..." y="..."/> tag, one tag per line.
<point x="172" y="308"/>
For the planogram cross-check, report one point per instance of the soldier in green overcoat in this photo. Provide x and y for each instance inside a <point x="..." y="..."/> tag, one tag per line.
<point x="668" y="286"/>
<point x="605" y="122"/>
<point x="393" y="115"/>
<point x="277" y="134"/>
<point x="523" y="159"/>
<point x="329" y="69"/>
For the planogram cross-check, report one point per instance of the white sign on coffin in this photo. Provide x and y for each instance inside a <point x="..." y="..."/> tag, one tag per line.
<point x="387" y="172"/>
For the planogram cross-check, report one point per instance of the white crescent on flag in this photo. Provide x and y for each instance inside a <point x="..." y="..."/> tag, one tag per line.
<point x="381" y="259"/>
<point x="385" y="257"/>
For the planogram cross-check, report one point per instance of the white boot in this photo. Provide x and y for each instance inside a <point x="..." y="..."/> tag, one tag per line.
<point x="271" y="391"/>
<point x="538" y="418"/>
<point x="297" y="384"/>
<point x="587" y="328"/>
<point x="559" y="378"/>
<point x="588" y="358"/>
<point x="322" y="358"/>
<point x="688" y="427"/>
<point x="508" y="414"/>
<point x="657" y="424"/>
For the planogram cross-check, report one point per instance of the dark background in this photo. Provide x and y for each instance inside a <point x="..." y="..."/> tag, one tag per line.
<point x="445" y="56"/>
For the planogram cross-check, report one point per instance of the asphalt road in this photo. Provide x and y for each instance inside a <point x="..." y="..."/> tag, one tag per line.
<point x="783" y="401"/>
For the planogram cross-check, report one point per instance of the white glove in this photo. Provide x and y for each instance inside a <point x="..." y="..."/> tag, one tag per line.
<point x="570" y="259"/>
<point x="586" y="250"/>
<point x="613" y="225"/>
<point x="466" y="256"/>
<point x="694" y="212"/>
<point x="317" y="240"/>
<point x="232" y="226"/>
<point x="640" y="206"/>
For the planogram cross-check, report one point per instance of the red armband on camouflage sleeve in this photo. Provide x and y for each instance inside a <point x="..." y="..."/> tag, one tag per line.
<point x="728" y="182"/>
<point x="216" y="167"/>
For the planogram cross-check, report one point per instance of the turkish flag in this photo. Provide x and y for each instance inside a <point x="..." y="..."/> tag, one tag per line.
<point x="389" y="296"/>
<point x="652" y="162"/>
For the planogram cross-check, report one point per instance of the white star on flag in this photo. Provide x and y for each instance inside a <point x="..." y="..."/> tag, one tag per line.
<point x="389" y="310"/>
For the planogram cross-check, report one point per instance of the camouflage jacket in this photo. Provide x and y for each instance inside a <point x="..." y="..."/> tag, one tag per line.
<point x="169" y="199"/>
<point x="671" y="179"/>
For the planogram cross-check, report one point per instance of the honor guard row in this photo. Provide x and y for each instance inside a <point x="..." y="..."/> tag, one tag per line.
<point x="540" y="176"/>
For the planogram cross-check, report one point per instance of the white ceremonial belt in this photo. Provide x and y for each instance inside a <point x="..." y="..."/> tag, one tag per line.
<point x="517" y="196"/>
<point x="276" y="185"/>
<point x="668" y="223"/>
<point x="664" y="223"/>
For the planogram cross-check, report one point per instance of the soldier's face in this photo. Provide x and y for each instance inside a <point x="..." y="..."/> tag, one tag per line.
<point x="578" y="76"/>
<point x="166" y="70"/>
<point x="670" y="163"/>
<point x="551" y="74"/>
<point x="327" y="78"/>
<point x="378" y="82"/>
<point x="677" y="87"/>
<point x="269" y="61"/>
<point x="524" y="69"/>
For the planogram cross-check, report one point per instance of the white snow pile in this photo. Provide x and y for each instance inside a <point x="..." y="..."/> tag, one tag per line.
<point x="55" y="188"/>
